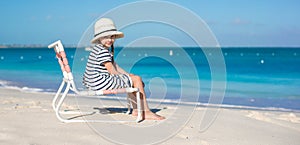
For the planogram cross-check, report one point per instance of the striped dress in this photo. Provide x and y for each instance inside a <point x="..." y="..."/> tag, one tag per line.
<point x="96" y="77"/>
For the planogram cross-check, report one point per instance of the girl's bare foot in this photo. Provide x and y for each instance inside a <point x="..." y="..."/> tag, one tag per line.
<point x="134" y="112"/>
<point x="148" y="115"/>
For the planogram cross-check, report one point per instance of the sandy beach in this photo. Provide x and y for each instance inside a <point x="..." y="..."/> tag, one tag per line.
<point x="28" y="119"/>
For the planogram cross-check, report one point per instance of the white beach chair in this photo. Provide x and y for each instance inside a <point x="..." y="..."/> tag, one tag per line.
<point x="68" y="84"/>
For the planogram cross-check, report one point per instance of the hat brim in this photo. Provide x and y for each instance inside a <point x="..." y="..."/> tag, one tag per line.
<point x="118" y="34"/>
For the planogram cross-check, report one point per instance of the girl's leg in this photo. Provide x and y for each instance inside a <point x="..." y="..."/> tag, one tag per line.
<point x="147" y="113"/>
<point x="132" y="99"/>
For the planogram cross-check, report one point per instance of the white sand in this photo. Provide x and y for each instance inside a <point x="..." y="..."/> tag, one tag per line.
<point x="28" y="119"/>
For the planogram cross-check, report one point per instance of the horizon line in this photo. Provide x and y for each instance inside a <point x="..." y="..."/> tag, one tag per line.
<point x="75" y="45"/>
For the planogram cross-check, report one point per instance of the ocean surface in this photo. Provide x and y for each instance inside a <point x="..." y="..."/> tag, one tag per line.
<point x="256" y="77"/>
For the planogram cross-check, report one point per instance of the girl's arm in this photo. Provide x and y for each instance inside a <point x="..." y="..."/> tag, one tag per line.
<point x="111" y="68"/>
<point x="120" y="70"/>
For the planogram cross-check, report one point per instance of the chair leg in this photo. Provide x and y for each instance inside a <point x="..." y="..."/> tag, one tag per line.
<point x="59" y="104"/>
<point x="139" y="107"/>
<point x="128" y="104"/>
<point x="57" y="94"/>
<point x="57" y="108"/>
<point x="59" y="117"/>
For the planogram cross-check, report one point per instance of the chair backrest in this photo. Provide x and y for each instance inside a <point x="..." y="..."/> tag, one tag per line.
<point x="68" y="76"/>
<point x="62" y="59"/>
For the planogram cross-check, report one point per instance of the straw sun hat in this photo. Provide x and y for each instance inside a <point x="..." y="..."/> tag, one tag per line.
<point x="105" y="27"/>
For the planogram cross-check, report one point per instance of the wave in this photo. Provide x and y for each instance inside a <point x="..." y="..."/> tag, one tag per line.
<point x="12" y="85"/>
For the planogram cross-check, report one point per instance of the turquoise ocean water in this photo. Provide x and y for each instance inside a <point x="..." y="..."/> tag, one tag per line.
<point x="257" y="77"/>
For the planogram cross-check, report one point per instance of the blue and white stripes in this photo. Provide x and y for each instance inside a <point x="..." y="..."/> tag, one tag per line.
<point x="96" y="76"/>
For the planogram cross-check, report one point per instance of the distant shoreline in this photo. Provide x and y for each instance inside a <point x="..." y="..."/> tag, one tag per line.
<point x="74" y="47"/>
<point x="30" y="46"/>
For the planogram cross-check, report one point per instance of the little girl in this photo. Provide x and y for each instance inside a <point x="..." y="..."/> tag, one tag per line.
<point x="103" y="73"/>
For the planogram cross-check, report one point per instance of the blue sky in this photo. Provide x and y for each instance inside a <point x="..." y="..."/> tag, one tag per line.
<point x="234" y="22"/>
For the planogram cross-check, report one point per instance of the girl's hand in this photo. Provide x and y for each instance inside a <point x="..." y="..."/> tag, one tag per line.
<point x="134" y="75"/>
